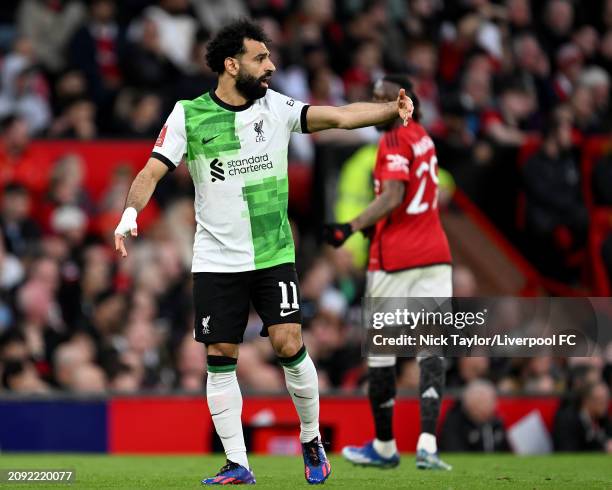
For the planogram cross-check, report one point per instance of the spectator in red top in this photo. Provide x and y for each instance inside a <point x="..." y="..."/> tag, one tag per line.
<point x="14" y="141"/>
<point x="17" y="163"/>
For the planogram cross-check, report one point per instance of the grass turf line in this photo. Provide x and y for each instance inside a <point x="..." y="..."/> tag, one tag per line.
<point x="568" y="471"/>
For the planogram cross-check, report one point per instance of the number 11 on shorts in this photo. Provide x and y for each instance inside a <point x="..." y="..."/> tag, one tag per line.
<point x="285" y="295"/>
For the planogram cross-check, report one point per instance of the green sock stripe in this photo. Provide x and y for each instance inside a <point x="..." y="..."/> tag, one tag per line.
<point x="293" y="361"/>
<point x="221" y="369"/>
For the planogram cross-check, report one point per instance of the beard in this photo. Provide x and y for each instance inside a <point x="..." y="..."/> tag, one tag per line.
<point x="250" y="87"/>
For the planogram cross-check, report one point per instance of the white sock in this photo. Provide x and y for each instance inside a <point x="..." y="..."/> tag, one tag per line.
<point x="303" y="385"/>
<point x="428" y="442"/>
<point x="385" y="448"/>
<point x="225" y="405"/>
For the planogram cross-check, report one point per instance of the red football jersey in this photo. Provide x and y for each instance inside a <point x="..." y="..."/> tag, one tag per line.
<point x="411" y="235"/>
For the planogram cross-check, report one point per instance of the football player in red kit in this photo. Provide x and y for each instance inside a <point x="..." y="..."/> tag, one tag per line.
<point x="409" y="257"/>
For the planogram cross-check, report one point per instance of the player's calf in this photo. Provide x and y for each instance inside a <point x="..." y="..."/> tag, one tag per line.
<point x="431" y="386"/>
<point x="382" y="392"/>
<point x="225" y="405"/>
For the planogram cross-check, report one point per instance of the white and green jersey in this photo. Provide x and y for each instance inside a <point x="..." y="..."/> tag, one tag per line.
<point x="237" y="158"/>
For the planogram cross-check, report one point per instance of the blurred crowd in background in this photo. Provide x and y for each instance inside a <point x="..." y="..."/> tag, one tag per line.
<point x="489" y="75"/>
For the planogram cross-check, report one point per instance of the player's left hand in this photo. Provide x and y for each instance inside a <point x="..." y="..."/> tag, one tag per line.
<point x="405" y="107"/>
<point x="337" y="233"/>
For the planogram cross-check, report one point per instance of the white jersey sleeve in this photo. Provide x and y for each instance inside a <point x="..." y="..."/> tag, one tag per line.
<point x="171" y="144"/>
<point x="293" y="112"/>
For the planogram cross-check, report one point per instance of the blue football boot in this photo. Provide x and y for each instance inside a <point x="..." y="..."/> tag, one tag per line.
<point x="367" y="456"/>
<point x="316" y="465"/>
<point x="231" y="474"/>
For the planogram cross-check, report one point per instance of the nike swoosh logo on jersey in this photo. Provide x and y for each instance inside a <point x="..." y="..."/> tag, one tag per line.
<point x="304" y="397"/>
<point x="287" y="313"/>
<point x="206" y="141"/>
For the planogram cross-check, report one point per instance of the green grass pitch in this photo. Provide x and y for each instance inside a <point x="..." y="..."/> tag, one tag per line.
<point x="583" y="472"/>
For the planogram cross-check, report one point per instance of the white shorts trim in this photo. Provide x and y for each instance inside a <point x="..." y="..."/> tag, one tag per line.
<point x="381" y="361"/>
<point x="435" y="281"/>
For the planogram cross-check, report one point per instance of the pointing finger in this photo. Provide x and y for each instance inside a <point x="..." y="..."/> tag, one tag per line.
<point x="120" y="245"/>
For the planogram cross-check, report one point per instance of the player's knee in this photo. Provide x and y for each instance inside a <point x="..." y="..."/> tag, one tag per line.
<point x="289" y="348"/>
<point x="286" y="340"/>
<point x="222" y="349"/>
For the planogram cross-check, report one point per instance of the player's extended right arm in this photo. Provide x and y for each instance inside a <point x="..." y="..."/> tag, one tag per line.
<point x="359" y="114"/>
<point x="390" y="198"/>
<point x="140" y="192"/>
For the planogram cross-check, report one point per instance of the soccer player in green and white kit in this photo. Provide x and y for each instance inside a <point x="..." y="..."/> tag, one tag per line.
<point x="234" y="141"/>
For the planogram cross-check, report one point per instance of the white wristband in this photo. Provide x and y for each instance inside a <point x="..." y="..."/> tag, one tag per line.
<point x="129" y="214"/>
<point x="127" y="223"/>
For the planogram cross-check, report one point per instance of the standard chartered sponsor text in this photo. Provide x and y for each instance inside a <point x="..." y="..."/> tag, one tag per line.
<point x="249" y="165"/>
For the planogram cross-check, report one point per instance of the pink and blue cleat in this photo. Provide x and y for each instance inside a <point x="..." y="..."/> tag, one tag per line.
<point x="231" y="474"/>
<point x="316" y="465"/>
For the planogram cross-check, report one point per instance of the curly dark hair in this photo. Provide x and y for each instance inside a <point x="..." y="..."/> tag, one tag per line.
<point x="229" y="42"/>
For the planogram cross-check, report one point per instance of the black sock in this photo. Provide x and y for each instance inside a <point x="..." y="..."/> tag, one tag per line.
<point x="381" y="390"/>
<point x="431" y="386"/>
